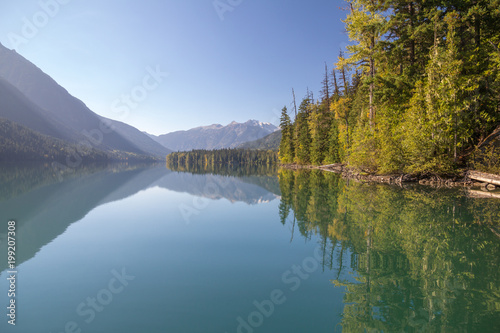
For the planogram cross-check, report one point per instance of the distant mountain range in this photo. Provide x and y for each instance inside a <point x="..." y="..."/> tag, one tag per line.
<point x="216" y="136"/>
<point x="31" y="98"/>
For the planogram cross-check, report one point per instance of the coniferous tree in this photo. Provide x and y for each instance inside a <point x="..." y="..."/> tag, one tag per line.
<point x="365" y="25"/>
<point x="418" y="89"/>
<point x="286" y="151"/>
<point x="302" y="139"/>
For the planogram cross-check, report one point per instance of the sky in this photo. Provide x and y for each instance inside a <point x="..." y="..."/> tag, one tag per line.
<point x="167" y="65"/>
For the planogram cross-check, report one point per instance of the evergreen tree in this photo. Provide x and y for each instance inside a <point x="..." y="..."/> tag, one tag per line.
<point x="418" y="91"/>
<point x="286" y="144"/>
<point x="365" y="26"/>
<point x="302" y="135"/>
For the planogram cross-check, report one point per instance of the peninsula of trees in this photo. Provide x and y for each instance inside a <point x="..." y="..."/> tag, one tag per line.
<point x="418" y="90"/>
<point x="202" y="160"/>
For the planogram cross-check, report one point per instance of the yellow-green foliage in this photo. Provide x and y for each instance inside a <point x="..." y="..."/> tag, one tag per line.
<point x="410" y="97"/>
<point x="487" y="159"/>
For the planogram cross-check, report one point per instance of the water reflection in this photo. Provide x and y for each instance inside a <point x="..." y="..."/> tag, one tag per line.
<point x="44" y="202"/>
<point x="425" y="260"/>
<point x="263" y="176"/>
<point x="249" y="189"/>
<point x="44" y="207"/>
<point x="416" y="259"/>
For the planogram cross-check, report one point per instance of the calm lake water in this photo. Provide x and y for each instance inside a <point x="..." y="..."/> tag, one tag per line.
<point x="146" y="249"/>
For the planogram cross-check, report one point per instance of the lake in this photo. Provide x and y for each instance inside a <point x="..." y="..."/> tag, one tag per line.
<point x="146" y="249"/>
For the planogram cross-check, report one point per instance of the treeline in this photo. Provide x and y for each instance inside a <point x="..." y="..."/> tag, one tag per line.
<point x="222" y="160"/>
<point x="424" y="260"/>
<point x="417" y="90"/>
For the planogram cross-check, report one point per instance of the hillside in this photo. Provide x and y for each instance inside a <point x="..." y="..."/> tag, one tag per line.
<point x="60" y="110"/>
<point x="269" y="142"/>
<point x="20" y="143"/>
<point x="19" y="109"/>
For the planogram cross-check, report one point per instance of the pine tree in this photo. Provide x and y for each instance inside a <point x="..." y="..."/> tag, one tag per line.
<point x="365" y="26"/>
<point x="319" y="128"/>
<point x="326" y="87"/>
<point x="418" y="89"/>
<point x="302" y="138"/>
<point x="286" y="143"/>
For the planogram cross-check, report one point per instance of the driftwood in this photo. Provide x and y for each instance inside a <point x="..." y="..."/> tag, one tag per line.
<point x="482" y="194"/>
<point x="337" y="167"/>
<point x="484" y="177"/>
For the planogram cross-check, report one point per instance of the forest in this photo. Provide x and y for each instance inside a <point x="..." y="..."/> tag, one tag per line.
<point x="21" y="144"/>
<point x="417" y="90"/>
<point x="222" y="161"/>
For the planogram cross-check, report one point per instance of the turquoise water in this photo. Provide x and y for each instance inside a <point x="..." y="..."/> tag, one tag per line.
<point x="140" y="249"/>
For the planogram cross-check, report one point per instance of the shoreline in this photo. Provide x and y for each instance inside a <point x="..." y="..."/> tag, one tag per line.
<point x="462" y="180"/>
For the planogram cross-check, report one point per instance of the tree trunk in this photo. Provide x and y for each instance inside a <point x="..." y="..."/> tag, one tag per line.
<point x="372" y="111"/>
<point x="412" y="41"/>
<point x="372" y="75"/>
<point x="484" y="177"/>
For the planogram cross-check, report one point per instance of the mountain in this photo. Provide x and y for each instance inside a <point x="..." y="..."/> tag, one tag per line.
<point x="19" y="143"/>
<point x="16" y="107"/>
<point x="59" y="114"/>
<point x="216" y="136"/>
<point x="269" y="142"/>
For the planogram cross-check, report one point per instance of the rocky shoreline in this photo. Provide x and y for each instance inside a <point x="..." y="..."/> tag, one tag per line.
<point x="467" y="179"/>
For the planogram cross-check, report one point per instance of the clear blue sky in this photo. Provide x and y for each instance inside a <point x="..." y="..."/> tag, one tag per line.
<point x="239" y="68"/>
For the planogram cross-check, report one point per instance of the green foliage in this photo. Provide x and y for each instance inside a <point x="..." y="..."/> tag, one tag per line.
<point x="487" y="159"/>
<point x="419" y="89"/>
<point x="333" y="154"/>
<point x="217" y="160"/>
<point x="302" y="135"/>
<point x="363" y="153"/>
<point x="320" y="124"/>
<point x="286" y="150"/>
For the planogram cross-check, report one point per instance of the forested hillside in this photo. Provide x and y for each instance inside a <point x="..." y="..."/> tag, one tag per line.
<point x="19" y="143"/>
<point x="269" y="142"/>
<point x="417" y="90"/>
